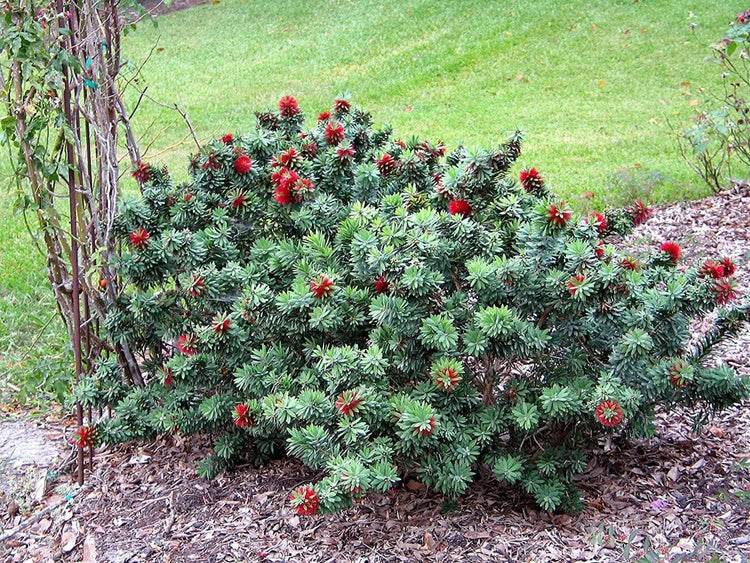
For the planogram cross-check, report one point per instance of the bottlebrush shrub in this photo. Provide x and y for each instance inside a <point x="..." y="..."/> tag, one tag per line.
<point x="375" y="307"/>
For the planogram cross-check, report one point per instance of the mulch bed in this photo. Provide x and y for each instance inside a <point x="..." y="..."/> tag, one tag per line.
<point x="675" y="497"/>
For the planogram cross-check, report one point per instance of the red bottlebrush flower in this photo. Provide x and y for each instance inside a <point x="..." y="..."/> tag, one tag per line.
<point x="240" y="201"/>
<point x="169" y="379"/>
<point x="310" y="150"/>
<point x="672" y="249"/>
<point x="287" y="159"/>
<point x="609" y="413"/>
<point x="283" y="195"/>
<point x="677" y="374"/>
<point x="601" y="222"/>
<point x="221" y="324"/>
<point x="142" y="172"/>
<point x="341" y="106"/>
<point x="288" y="106"/>
<point x="139" y="239"/>
<point x="743" y="17"/>
<point x="386" y="164"/>
<point x="558" y="214"/>
<point x="284" y="177"/>
<point x="382" y="285"/>
<point x="243" y="164"/>
<point x="725" y="291"/>
<point x="188" y="196"/>
<point x="227" y="139"/>
<point x="305" y="501"/>
<point x="639" y="212"/>
<point x="334" y="133"/>
<point x="345" y="154"/>
<point x="599" y="249"/>
<point x="303" y="187"/>
<point x="85" y="437"/>
<point x="531" y="180"/>
<point x="575" y="283"/>
<point x="212" y="163"/>
<point x="400" y="143"/>
<point x="630" y="263"/>
<point x="196" y="287"/>
<point x="710" y="269"/>
<point x="187" y="344"/>
<point x="324" y="116"/>
<point x="242" y="417"/>
<point x="348" y="403"/>
<point x="447" y="379"/>
<point x="322" y="287"/>
<point x="425" y="430"/>
<point x="729" y="267"/>
<point x="459" y="207"/>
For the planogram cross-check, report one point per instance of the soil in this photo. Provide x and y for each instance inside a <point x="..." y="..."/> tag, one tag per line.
<point x="674" y="497"/>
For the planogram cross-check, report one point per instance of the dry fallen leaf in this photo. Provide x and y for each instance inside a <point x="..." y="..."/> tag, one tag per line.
<point x="602" y="83"/>
<point x="694" y="102"/>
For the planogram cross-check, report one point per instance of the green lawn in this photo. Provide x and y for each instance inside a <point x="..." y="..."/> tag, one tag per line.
<point x="593" y="84"/>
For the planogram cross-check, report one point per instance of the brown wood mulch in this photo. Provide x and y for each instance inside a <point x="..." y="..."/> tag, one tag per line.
<point x="675" y="497"/>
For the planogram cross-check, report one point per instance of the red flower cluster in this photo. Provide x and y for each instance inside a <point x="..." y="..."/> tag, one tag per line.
<point x="386" y="164"/>
<point x="345" y="154"/>
<point x="139" y="239"/>
<point x="599" y="249"/>
<point x="711" y="269"/>
<point x="227" y="139"/>
<point x="601" y="222"/>
<point x="242" y="417"/>
<point x="142" y="172"/>
<point x="243" y="164"/>
<point x="459" y="207"/>
<point x="341" y="106"/>
<point x="427" y="430"/>
<point x="288" y="106"/>
<point x="348" y="403"/>
<point x="305" y="501"/>
<point x="324" y="115"/>
<point x="447" y="379"/>
<point x="290" y="187"/>
<point x="558" y="214"/>
<point x="639" y="212"/>
<point x="85" y="437"/>
<point x="334" y="133"/>
<point x="382" y="285"/>
<point x="630" y="263"/>
<point x="310" y="149"/>
<point x="725" y="291"/>
<point x="676" y="374"/>
<point x="575" y="283"/>
<point x="196" y="287"/>
<point x="729" y="267"/>
<point x="287" y="159"/>
<point x="322" y="287"/>
<point x="743" y="17"/>
<point x="609" y="413"/>
<point x="240" y="201"/>
<point x="531" y="180"/>
<point x="221" y="324"/>
<point x="672" y="249"/>
<point x="187" y="344"/>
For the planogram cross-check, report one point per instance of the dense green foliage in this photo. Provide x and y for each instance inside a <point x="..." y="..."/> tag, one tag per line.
<point x="374" y="306"/>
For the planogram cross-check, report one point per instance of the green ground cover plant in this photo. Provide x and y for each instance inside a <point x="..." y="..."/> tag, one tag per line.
<point x="592" y="84"/>
<point x="379" y="305"/>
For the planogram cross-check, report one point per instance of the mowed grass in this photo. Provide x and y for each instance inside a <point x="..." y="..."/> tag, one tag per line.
<point x="594" y="85"/>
